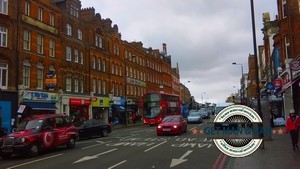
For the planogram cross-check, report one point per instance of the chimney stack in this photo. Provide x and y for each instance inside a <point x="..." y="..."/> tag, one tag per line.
<point x="164" y="48"/>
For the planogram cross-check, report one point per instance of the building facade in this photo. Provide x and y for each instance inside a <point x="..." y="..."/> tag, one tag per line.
<point x="70" y="60"/>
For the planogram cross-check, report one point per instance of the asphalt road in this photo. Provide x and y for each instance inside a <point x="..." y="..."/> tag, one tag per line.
<point x="129" y="148"/>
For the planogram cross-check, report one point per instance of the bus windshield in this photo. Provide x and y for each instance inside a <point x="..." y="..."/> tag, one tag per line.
<point x="151" y="111"/>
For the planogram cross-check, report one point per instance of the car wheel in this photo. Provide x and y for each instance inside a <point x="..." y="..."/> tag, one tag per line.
<point x="104" y="133"/>
<point x="34" y="149"/>
<point x="71" y="142"/>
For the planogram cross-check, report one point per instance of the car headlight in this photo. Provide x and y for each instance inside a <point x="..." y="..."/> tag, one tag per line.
<point x="175" y="126"/>
<point x="22" y="139"/>
<point x="159" y="127"/>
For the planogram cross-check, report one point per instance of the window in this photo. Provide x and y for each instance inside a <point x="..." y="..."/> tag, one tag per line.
<point x="3" y="75"/>
<point x="99" y="64"/>
<point x="94" y="85"/>
<point x="26" y="40"/>
<point x="287" y="47"/>
<point x="40" y="14"/>
<point x="74" y="11"/>
<point x="117" y="71"/>
<point x="69" y="30"/>
<point x="284" y="9"/>
<point x="4" y="7"/>
<point x="104" y="63"/>
<point x="81" y="86"/>
<point x="68" y="53"/>
<point x="112" y="69"/>
<point x="104" y="87"/>
<point x="68" y="84"/>
<point x="99" y="86"/>
<point x="39" y="76"/>
<point x="76" y="87"/>
<point x="98" y="41"/>
<point x="51" y="48"/>
<point x="27" y="8"/>
<point x="3" y="36"/>
<point x="40" y="44"/>
<point x="94" y="62"/>
<point x="116" y="50"/>
<point x="76" y="57"/>
<point x="79" y="34"/>
<point x="81" y="58"/>
<point x="26" y="73"/>
<point x="52" y="19"/>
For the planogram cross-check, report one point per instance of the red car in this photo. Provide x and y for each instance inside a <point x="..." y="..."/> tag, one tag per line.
<point x="38" y="133"/>
<point x="174" y="124"/>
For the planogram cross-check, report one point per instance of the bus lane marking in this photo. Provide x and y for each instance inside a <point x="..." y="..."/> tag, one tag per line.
<point x="155" y="146"/>
<point x="193" y="143"/>
<point x="117" y="164"/>
<point x="100" y="143"/>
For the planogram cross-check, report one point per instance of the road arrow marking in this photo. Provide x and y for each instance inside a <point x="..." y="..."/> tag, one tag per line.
<point x="94" y="156"/>
<point x="181" y="159"/>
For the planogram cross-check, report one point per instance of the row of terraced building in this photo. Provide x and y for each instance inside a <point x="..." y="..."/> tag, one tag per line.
<point x="56" y="57"/>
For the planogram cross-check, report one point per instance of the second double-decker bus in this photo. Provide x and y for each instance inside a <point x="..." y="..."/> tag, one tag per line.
<point x="157" y="105"/>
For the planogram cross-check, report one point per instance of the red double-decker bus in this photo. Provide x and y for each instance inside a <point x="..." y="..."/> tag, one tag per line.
<point x="157" y="105"/>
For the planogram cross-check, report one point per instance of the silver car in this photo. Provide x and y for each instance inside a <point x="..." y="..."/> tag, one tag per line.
<point x="194" y="117"/>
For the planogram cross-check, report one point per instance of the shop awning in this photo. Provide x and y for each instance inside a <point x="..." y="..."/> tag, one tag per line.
<point x="121" y="108"/>
<point x="40" y="106"/>
<point x="118" y="107"/>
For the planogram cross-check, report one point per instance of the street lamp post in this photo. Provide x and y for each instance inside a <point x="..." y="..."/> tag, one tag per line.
<point x="184" y="91"/>
<point x="256" y="67"/>
<point x="242" y="70"/>
<point x="125" y="94"/>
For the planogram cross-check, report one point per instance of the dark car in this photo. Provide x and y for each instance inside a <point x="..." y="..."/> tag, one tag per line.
<point x="174" y="124"/>
<point x="92" y="128"/>
<point x="38" y="133"/>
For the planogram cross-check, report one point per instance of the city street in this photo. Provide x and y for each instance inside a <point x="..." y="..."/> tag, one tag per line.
<point x="136" y="147"/>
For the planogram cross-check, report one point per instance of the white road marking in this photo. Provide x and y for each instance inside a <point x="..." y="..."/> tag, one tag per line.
<point x="181" y="159"/>
<point x="201" y="124"/>
<point x="16" y="166"/>
<point x="101" y="143"/>
<point x="155" y="146"/>
<point x="94" y="156"/>
<point x="117" y="164"/>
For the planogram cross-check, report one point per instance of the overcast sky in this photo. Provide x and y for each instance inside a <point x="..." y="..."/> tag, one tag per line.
<point x="203" y="36"/>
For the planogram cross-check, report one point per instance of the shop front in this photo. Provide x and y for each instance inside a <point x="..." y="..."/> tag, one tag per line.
<point x="79" y="110"/>
<point x="35" y="103"/>
<point x="100" y="108"/>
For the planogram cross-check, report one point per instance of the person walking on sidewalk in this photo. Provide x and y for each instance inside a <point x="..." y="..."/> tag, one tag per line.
<point x="292" y="126"/>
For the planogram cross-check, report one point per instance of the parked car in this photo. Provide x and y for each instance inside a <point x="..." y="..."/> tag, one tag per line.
<point x="204" y="113"/>
<point x="39" y="133"/>
<point x="92" y="128"/>
<point x="194" y="117"/>
<point x="174" y="124"/>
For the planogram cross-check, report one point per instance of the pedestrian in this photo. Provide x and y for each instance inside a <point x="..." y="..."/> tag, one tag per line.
<point x="133" y="116"/>
<point x="292" y="126"/>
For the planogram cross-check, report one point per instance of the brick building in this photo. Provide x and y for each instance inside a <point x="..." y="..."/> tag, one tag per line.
<point x="75" y="62"/>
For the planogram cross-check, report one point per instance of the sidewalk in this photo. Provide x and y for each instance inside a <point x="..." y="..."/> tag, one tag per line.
<point x="277" y="154"/>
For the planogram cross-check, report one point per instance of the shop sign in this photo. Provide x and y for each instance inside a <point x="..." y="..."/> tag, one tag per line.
<point x="79" y="102"/>
<point x="295" y="65"/>
<point x="277" y="83"/>
<point x="101" y="102"/>
<point x="40" y="96"/>
<point x="51" y="80"/>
